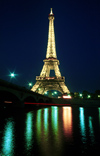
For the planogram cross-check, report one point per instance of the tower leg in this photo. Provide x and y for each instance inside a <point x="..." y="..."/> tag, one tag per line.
<point x="64" y="87"/>
<point x="45" y="71"/>
<point x="36" y="86"/>
<point x="57" y="71"/>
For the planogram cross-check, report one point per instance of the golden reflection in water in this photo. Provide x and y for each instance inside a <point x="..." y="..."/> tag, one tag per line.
<point x="8" y="138"/>
<point x="47" y="124"/>
<point x="42" y="130"/>
<point x="67" y="122"/>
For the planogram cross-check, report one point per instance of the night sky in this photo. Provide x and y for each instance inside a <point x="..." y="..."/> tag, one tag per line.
<point x="24" y="35"/>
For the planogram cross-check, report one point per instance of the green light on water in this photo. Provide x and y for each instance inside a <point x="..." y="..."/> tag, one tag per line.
<point x="46" y="118"/>
<point x="99" y="116"/>
<point x="39" y="123"/>
<point x="55" y="130"/>
<point x="82" y="124"/>
<point x="8" y="139"/>
<point x="29" y="131"/>
<point x="55" y="119"/>
<point x="46" y="121"/>
<point x="91" y="131"/>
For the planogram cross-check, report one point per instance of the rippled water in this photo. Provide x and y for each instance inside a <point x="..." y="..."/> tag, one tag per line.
<point x="51" y="131"/>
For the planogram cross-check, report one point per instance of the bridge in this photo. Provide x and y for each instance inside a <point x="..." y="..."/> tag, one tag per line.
<point x="17" y="96"/>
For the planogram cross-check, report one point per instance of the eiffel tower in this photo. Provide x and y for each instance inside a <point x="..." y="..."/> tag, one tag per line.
<point x="44" y="82"/>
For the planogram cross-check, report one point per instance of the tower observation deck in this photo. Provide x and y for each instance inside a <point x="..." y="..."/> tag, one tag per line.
<point x="44" y="82"/>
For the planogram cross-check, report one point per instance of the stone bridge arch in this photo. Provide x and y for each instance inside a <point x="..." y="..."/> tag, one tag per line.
<point x="17" y="96"/>
<point x="8" y="97"/>
<point x="30" y="99"/>
<point x="13" y="92"/>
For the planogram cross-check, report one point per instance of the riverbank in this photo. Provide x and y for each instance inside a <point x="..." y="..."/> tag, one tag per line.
<point x="56" y="102"/>
<point x="78" y="102"/>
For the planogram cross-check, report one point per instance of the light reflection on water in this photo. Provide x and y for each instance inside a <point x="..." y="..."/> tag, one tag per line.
<point x="46" y="121"/>
<point x="99" y="116"/>
<point x="29" y="131"/>
<point x="91" y="131"/>
<point x="82" y="125"/>
<point x="8" y="141"/>
<point x="38" y="124"/>
<point x="67" y="122"/>
<point x="51" y="131"/>
<point x="54" y="120"/>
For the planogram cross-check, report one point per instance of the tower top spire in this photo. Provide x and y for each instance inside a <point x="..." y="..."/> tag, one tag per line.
<point x="51" y="47"/>
<point x="51" y="12"/>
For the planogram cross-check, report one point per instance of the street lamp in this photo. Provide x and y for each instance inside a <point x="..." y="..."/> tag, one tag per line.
<point x="46" y="93"/>
<point x="30" y="85"/>
<point x="52" y="93"/>
<point x="55" y="92"/>
<point x="80" y="95"/>
<point x="12" y="75"/>
<point x="89" y="96"/>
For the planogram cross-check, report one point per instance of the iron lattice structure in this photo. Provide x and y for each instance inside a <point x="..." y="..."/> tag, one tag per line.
<point x="44" y="82"/>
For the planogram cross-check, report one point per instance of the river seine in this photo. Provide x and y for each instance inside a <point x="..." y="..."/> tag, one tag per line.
<point x="52" y="131"/>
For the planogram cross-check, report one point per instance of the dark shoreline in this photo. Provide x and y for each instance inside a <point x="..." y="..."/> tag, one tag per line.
<point x="57" y="102"/>
<point x="77" y="102"/>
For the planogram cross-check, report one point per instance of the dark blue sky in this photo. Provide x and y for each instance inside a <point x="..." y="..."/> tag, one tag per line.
<point x="24" y="35"/>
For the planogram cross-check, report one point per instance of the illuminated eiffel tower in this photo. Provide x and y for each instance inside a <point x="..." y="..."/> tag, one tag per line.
<point x="44" y="82"/>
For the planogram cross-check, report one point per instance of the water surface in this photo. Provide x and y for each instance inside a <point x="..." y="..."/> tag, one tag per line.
<point x="51" y="131"/>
